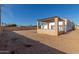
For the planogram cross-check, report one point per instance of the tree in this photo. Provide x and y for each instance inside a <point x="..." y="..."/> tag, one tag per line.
<point x="11" y="25"/>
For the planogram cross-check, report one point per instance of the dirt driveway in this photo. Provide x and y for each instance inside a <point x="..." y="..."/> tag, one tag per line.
<point x="68" y="42"/>
<point x="19" y="43"/>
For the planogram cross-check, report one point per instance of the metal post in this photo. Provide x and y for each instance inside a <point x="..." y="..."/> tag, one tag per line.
<point x="37" y="25"/>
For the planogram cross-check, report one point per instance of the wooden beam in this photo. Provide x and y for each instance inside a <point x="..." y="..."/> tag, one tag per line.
<point x="56" y="26"/>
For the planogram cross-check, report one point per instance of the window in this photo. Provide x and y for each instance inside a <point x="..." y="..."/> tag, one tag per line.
<point x="52" y="27"/>
<point x="60" y="28"/>
<point x="42" y="26"/>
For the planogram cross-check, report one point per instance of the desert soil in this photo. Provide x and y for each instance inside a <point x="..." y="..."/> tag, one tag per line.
<point x="29" y="41"/>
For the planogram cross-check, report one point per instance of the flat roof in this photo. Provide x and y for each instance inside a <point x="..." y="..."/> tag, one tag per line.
<point x="50" y="19"/>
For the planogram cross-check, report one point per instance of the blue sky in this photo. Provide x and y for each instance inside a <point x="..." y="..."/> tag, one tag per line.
<point x="27" y="14"/>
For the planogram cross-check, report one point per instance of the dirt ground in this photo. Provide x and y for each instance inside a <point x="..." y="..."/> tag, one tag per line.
<point x="68" y="42"/>
<point x="29" y="41"/>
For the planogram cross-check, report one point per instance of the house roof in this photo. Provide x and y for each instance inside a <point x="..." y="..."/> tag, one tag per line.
<point x="50" y="19"/>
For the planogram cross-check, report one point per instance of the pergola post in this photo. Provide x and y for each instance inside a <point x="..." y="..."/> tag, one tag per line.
<point x="56" y="26"/>
<point x="47" y="25"/>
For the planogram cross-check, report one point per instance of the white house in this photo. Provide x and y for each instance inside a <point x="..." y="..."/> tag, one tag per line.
<point x="54" y="25"/>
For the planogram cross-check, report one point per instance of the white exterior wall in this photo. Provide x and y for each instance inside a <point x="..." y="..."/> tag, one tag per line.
<point x="44" y="26"/>
<point x="60" y="28"/>
<point x="68" y="25"/>
<point x="51" y="24"/>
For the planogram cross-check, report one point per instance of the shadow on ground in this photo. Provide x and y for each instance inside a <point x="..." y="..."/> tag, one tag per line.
<point x="13" y="43"/>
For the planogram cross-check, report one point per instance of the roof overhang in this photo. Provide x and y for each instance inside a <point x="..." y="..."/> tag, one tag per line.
<point x="50" y="19"/>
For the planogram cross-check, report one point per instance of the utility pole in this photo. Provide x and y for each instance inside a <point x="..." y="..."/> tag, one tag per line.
<point x="0" y="17"/>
